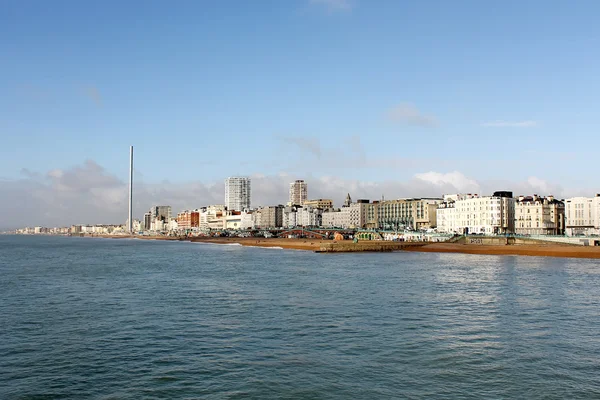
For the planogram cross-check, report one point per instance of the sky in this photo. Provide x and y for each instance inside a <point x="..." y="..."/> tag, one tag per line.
<point x="376" y="98"/>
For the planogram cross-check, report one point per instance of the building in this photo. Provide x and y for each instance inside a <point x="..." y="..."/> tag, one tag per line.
<point x="471" y="214"/>
<point x="173" y="225"/>
<point x="237" y="193"/>
<point x="212" y="217"/>
<point x="323" y="204"/>
<point x="271" y="217"/>
<point x="301" y="216"/>
<point x="352" y="216"/>
<point x="162" y="213"/>
<point x="232" y="220"/>
<point x="147" y="221"/>
<point x="298" y="193"/>
<point x="332" y="218"/>
<point x="371" y="215"/>
<point x="158" y="218"/>
<point x="188" y="219"/>
<point x="246" y="220"/>
<point x="309" y="217"/>
<point x="414" y="214"/>
<point x="582" y="216"/>
<point x="535" y="215"/>
<point x="289" y="215"/>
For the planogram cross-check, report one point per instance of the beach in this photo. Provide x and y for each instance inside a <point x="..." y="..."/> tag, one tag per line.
<point x="540" y="250"/>
<point x="346" y="246"/>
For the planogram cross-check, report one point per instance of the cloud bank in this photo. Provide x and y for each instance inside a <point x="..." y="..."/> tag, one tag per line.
<point x="88" y="194"/>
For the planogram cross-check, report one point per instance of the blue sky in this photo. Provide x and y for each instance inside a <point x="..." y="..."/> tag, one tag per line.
<point x="367" y="90"/>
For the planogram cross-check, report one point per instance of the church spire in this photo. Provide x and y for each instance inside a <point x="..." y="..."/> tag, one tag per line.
<point x="348" y="201"/>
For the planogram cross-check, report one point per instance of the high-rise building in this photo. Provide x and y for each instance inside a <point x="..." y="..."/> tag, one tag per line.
<point x="162" y="213"/>
<point x="298" y="193"/>
<point x="237" y="193"/>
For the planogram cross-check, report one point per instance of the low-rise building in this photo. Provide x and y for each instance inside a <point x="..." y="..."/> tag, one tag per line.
<point x="535" y="215"/>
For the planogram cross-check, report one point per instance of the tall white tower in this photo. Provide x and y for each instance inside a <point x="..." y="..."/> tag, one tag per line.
<point x="237" y="193"/>
<point x="130" y="220"/>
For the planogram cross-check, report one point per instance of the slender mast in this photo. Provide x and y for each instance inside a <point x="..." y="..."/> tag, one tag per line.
<point x="130" y="223"/>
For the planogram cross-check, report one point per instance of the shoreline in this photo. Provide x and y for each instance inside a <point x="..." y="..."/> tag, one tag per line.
<point x="329" y="246"/>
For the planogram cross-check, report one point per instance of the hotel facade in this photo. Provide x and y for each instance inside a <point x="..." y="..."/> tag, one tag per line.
<point x="471" y="214"/>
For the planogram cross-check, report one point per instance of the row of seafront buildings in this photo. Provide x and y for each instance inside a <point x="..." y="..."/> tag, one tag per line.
<point x="499" y="213"/>
<point x="496" y="214"/>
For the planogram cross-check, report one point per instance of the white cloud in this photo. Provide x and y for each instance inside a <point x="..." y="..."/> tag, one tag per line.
<point x="507" y="124"/>
<point x="334" y="5"/>
<point x="537" y="183"/>
<point x="408" y="114"/>
<point x="455" y="179"/>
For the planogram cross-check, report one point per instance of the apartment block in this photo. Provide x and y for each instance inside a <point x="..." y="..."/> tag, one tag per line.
<point x="237" y="193"/>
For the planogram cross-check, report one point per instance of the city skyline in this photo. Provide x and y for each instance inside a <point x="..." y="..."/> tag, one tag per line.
<point x="271" y="191"/>
<point x="388" y="99"/>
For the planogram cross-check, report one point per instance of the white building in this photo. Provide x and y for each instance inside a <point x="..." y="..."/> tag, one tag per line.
<point x="173" y="225"/>
<point x="159" y="225"/>
<point x="298" y="193"/>
<point x="471" y="214"/>
<point x="308" y="216"/>
<point x="535" y="215"/>
<point x="332" y="219"/>
<point x="237" y="193"/>
<point x="246" y="220"/>
<point x="582" y="215"/>
<point x="289" y="217"/>
<point x="211" y="217"/>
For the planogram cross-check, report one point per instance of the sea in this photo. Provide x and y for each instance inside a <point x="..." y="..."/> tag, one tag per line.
<point x="90" y="318"/>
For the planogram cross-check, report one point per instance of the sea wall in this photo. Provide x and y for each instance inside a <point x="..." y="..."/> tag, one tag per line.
<point x="366" y="246"/>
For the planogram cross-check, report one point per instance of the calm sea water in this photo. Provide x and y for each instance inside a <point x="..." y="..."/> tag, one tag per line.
<point x="131" y="319"/>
